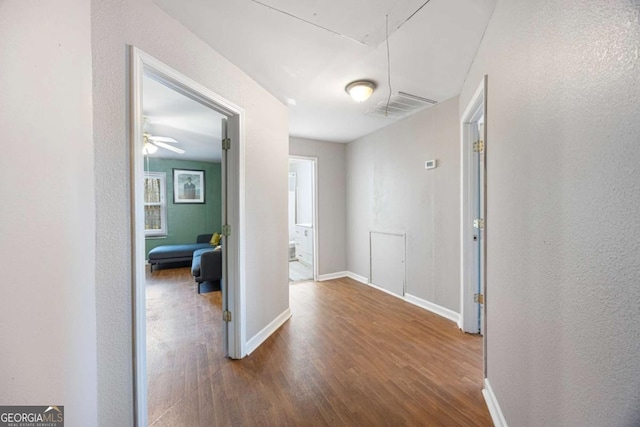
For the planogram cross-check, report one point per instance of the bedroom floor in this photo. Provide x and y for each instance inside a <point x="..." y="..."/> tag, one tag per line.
<point x="184" y="338"/>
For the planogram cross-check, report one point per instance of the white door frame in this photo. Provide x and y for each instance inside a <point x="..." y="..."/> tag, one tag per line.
<point x="144" y="64"/>
<point x="476" y="108"/>
<point x="314" y="189"/>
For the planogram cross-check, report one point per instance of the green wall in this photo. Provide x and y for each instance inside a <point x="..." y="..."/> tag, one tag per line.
<point x="186" y="221"/>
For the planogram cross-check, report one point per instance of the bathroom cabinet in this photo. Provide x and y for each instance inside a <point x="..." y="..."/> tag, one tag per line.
<point x="304" y="243"/>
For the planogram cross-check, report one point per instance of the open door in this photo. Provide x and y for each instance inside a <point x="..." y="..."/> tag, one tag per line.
<point x="479" y="221"/>
<point x="226" y="312"/>
<point x="232" y="315"/>
<point x="474" y="215"/>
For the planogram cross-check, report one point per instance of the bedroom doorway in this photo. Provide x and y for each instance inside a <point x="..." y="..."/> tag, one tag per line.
<point x="175" y="186"/>
<point x="302" y="219"/>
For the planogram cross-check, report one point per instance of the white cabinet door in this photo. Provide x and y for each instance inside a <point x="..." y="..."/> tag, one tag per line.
<point x="304" y="244"/>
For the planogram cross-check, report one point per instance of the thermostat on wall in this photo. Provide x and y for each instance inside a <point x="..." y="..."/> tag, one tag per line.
<point x="430" y="164"/>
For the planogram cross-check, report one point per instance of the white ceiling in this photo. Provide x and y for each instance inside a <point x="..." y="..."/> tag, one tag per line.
<point x="309" y="50"/>
<point x="196" y="127"/>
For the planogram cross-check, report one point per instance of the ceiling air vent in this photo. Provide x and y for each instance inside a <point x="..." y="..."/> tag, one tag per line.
<point x="401" y="105"/>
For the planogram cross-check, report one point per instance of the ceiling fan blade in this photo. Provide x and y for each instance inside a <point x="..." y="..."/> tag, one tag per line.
<point x="169" y="147"/>
<point x="162" y="139"/>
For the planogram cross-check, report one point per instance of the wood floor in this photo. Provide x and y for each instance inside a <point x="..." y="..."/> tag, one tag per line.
<point x="349" y="356"/>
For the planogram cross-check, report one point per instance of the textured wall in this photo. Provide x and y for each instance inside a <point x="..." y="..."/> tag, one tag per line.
<point x="388" y="189"/>
<point x="563" y="229"/>
<point x="332" y="256"/>
<point x="185" y="221"/>
<point x="115" y="24"/>
<point x="47" y="231"/>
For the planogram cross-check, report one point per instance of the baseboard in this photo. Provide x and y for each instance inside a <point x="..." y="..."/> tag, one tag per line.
<point x="341" y="274"/>
<point x="383" y="290"/>
<point x="357" y="278"/>
<point x="266" y="332"/>
<point x="494" y="407"/>
<point x="434" y="308"/>
<point x="331" y="276"/>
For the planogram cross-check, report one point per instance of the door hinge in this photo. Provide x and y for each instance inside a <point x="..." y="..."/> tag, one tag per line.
<point x="226" y="230"/>
<point x="478" y="146"/>
<point x="226" y="144"/>
<point x="478" y="298"/>
<point x="478" y="223"/>
<point x="226" y="316"/>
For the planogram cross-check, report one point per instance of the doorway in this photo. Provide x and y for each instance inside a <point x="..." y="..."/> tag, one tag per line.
<point x="178" y="195"/>
<point x="302" y="219"/>
<point x="474" y="215"/>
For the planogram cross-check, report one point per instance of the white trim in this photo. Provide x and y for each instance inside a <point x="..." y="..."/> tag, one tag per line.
<point x="474" y="103"/>
<point x="494" y="407"/>
<point x="331" y="276"/>
<point x="266" y="332"/>
<point x="411" y="299"/>
<point x="138" y="250"/>
<point x="358" y="278"/>
<point x="424" y="304"/>
<point x="341" y="274"/>
<point x="434" y="308"/>
<point x="386" y="291"/>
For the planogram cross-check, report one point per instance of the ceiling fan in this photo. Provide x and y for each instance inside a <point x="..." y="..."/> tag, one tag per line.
<point x="151" y="144"/>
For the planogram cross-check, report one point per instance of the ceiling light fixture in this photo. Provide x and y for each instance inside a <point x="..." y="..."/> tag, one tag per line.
<point x="149" y="148"/>
<point x="360" y="90"/>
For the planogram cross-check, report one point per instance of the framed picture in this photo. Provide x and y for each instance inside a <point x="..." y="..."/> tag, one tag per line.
<point x="188" y="186"/>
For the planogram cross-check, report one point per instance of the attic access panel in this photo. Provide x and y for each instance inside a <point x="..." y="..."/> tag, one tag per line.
<point x="360" y="20"/>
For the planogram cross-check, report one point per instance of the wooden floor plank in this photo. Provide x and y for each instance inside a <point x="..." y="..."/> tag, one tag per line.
<point x="349" y="356"/>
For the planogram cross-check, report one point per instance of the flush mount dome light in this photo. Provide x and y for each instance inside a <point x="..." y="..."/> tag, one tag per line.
<point x="360" y="90"/>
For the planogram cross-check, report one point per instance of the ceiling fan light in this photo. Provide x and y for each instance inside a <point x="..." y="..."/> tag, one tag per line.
<point x="360" y="90"/>
<point x="149" y="148"/>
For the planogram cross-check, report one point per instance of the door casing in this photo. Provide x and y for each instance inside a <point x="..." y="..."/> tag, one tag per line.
<point x="144" y="64"/>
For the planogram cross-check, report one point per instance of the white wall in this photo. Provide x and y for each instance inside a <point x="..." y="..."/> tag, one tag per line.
<point x="389" y="190"/>
<point x="331" y="200"/>
<point x="47" y="231"/>
<point x="304" y="199"/>
<point x="563" y="229"/>
<point x="115" y="24"/>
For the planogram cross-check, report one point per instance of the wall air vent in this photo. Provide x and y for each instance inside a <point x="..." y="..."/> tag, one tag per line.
<point x="401" y="105"/>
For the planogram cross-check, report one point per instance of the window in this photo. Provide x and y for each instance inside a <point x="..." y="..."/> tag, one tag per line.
<point x="155" y="208"/>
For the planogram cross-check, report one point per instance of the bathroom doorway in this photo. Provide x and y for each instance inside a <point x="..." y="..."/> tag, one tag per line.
<point x="302" y="219"/>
